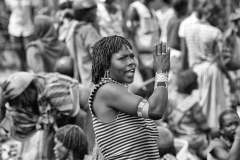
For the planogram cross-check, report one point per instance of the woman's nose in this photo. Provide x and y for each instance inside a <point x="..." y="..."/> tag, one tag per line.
<point x="131" y="61"/>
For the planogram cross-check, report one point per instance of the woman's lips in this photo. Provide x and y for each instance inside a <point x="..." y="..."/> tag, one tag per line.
<point x="130" y="73"/>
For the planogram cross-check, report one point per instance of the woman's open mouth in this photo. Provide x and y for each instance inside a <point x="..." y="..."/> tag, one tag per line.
<point x="130" y="73"/>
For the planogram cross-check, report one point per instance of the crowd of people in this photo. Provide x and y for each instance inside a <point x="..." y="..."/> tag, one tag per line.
<point x="95" y="80"/>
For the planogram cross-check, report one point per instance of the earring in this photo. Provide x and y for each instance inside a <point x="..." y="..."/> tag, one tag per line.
<point x="106" y="74"/>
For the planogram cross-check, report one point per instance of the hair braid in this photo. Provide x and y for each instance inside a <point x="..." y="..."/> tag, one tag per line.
<point x="102" y="54"/>
<point x="73" y="138"/>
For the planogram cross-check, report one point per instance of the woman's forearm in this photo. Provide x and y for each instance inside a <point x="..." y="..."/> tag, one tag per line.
<point x="157" y="103"/>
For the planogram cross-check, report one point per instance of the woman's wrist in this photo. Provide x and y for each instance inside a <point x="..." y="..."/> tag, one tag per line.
<point x="161" y="80"/>
<point x="162" y="72"/>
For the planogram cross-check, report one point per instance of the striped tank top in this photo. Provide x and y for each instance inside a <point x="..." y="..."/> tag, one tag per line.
<point x="126" y="137"/>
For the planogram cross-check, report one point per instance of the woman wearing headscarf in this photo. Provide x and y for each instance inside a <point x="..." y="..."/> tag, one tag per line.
<point x="36" y="106"/>
<point x="46" y="49"/>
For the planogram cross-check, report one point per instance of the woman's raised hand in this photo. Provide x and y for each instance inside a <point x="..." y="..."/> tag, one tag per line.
<point x="161" y="62"/>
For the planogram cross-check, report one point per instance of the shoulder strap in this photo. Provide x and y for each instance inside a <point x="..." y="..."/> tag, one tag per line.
<point x="178" y="113"/>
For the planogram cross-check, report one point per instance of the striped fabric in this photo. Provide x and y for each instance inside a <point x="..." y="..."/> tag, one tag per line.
<point x="126" y="137"/>
<point x="58" y="101"/>
<point x="201" y="40"/>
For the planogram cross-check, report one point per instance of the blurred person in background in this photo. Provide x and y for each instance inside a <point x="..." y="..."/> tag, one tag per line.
<point x="173" y="40"/>
<point x="70" y="143"/>
<point x="164" y="13"/>
<point x="46" y="49"/>
<point x="110" y="18"/>
<point x="184" y="114"/>
<point x="165" y="144"/>
<point x="191" y="19"/>
<point x="65" y="66"/>
<point x="21" y="26"/>
<point x="227" y="146"/>
<point x="142" y="31"/>
<point x="204" y="44"/>
<point x="64" y="19"/>
<point x="180" y="11"/>
<point x="35" y="106"/>
<point x="80" y="39"/>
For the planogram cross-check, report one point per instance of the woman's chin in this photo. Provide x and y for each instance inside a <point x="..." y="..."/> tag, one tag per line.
<point x="129" y="80"/>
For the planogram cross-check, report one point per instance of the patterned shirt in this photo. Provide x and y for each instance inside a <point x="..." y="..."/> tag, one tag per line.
<point x="110" y="24"/>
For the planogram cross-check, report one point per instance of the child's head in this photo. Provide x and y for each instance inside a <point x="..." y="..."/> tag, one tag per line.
<point x="165" y="142"/>
<point x="229" y="121"/>
<point x="186" y="81"/>
<point x="180" y="7"/>
<point x="70" y="138"/>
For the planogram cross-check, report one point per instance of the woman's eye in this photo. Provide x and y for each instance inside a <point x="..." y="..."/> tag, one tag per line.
<point x="123" y="58"/>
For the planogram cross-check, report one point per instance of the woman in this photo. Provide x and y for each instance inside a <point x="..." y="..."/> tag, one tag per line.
<point x="203" y="42"/>
<point x="123" y="122"/>
<point x="70" y="143"/>
<point x="36" y="105"/>
<point x="43" y="53"/>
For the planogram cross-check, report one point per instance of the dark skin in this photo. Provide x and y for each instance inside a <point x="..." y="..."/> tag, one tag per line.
<point x="230" y="130"/>
<point x="107" y="102"/>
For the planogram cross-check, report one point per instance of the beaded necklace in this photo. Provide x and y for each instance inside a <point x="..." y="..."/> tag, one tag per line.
<point x="113" y="81"/>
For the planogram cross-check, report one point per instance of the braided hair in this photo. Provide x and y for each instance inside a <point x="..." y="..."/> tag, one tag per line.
<point x="74" y="139"/>
<point x="102" y="54"/>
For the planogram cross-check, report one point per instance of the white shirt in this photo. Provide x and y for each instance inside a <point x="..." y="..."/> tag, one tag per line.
<point x="163" y="18"/>
<point x="20" y="22"/>
<point x="189" y="20"/>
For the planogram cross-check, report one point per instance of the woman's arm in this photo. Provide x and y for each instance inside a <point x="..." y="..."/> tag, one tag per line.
<point x="118" y="98"/>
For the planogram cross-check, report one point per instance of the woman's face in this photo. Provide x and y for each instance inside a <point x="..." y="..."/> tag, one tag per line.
<point x="123" y="65"/>
<point x="60" y="151"/>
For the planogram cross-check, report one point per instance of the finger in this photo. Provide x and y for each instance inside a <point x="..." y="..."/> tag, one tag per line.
<point x="168" y="52"/>
<point x="155" y="50"/>
<point x="159" y="53"/>
<point x="164" y="48"/>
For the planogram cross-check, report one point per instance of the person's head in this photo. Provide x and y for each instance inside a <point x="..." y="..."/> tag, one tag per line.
<point x="186" y="81"/>
<point x="165" y="142"/>
<point x="195" y="5"/>
<point x="211" y="12"/>
<point x="19" y="90"/>
<point x="64" y="65"/>
<point x="70" y="139"/>
<point x="228" y="122"/>
<point x="110" y="2"/>
<point x="165" y="2"/>
<point x="235" y="19"/>
<point x="43" y="28"/>
<point x="180" y="7"/>
<point x="85" y="10"/>
<point x="113" y="55"/>
<point x="65" y="4"/>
